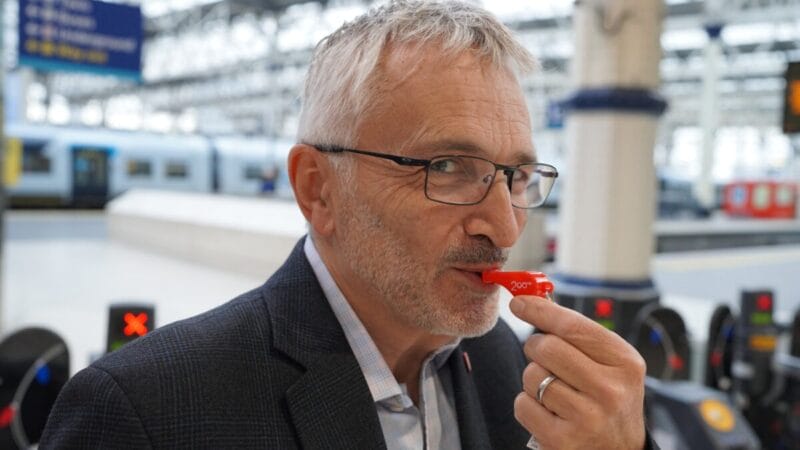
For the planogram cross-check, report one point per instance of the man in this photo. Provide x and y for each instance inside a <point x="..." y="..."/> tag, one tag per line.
<point x="414" y="168"/>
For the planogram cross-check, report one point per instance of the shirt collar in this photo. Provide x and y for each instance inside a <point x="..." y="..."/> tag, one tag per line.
<point x="382" y="383"/>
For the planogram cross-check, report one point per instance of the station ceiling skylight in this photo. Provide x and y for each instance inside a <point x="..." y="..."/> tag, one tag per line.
<point x="515" y="10"/>
<point x="508" y="10"/>
<point x="155" y="8"/>
<point x="505" y="9"/>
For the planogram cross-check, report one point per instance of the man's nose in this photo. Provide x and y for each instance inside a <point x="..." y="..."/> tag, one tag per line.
<point x="495" y="217"/>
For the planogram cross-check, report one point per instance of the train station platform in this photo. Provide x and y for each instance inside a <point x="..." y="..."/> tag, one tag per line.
<point x="62" y="270"/>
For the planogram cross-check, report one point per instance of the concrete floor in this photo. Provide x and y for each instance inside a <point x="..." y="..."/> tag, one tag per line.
<point x="61" y="272"/>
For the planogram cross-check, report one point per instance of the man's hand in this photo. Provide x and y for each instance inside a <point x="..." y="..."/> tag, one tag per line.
<point x="597" y="399"/>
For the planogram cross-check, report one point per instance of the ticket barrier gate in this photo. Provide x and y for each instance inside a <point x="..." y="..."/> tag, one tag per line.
<point x="688" y="416"/>
<point x="660" y="336"/>
<point x="787" y="368"/>
<point x="745" y="361"/>
<point x="683" y="415"/>
<point x="34" y="366"/>
<point x="751" y="393"/>
<point x="128" y="321"/>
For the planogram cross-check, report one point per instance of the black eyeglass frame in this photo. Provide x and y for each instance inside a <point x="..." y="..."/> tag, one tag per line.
<point x="415" y="162"/>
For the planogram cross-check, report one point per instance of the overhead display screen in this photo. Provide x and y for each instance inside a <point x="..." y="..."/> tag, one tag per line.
<point x="791" y="106"/>
<point x="81" y="35"/>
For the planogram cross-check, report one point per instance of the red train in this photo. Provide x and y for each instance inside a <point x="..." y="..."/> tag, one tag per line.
<point x="761" y="199"/>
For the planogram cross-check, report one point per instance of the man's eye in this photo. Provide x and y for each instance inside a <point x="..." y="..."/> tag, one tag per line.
<point x="444" y="166"/>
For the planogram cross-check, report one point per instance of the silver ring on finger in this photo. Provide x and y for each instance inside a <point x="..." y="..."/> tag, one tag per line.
<point x="543" y="386"/>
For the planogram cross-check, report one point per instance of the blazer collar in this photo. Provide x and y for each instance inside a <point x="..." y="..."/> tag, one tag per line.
<point x="471" y="421"/>
<point x="323" y="400"/>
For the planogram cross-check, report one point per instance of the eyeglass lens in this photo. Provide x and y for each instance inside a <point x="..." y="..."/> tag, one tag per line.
<point x="467" y="180"/>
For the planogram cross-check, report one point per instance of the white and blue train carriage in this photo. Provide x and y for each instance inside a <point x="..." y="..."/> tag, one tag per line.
<point x="251" y="166"/>
<point x="87" y="167"/>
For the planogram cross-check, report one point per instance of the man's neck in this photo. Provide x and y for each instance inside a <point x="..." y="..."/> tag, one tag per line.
<point x="403" y="347"/>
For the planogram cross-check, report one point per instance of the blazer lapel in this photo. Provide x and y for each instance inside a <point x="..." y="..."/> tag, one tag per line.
<point x="331" y="407"/>
<point x="471" y="421"/>
<point x="330" y="404"/>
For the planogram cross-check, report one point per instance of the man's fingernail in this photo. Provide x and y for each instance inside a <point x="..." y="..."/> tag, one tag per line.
<point x="516" y="305"/>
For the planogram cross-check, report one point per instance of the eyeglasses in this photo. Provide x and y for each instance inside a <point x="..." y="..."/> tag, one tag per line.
<point x="466" y="180"/>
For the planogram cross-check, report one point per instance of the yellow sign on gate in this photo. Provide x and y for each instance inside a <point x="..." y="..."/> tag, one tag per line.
<point x="717" y="415"/>
<point x="12" y="165"/>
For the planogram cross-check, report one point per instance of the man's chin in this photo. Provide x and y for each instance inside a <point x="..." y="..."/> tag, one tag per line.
<point x="469" y="326"/>
<point x="481" y="330"/>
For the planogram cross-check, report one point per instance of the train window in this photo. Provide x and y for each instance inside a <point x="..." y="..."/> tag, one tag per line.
<point x="139" y="168"/>
<point x="177" y="169"/>
<point x="783" y="195"/>
<point x="761" y="194"/>
<point x="35" y="158"/>
<point x="252" y="172"/>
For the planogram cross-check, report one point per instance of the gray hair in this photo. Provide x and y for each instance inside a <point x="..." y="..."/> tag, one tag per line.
<point x="338" y="92"/>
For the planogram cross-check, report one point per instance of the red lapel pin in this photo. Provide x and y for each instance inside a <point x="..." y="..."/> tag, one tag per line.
<point x="467" y="362"/>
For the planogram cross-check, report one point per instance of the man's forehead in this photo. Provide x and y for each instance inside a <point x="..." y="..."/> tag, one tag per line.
<point x="400" y="62"/>
<point x="411" y="72"/>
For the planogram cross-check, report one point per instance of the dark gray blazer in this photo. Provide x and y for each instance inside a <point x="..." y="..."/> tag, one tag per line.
<point x="269" y="369"/>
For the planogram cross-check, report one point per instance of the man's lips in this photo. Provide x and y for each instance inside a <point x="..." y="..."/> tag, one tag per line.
<point x="475" y="274"/>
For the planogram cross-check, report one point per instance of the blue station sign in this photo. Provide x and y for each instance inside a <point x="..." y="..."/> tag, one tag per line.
<point x="81" y="35"/>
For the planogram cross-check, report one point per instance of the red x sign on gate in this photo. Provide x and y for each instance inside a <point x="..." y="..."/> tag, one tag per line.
<point x="135" y="324"/>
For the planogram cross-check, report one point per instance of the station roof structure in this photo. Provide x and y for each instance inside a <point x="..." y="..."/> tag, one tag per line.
<point x="236" y="66"/>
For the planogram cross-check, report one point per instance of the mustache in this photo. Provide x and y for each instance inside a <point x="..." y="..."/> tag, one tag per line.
<point x="479" y="252"/>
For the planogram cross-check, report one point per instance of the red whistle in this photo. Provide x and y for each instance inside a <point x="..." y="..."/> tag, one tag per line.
<point x="520" y="283"/>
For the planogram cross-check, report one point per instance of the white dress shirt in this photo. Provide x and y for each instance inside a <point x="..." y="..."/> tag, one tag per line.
<point x="432" y="424"/>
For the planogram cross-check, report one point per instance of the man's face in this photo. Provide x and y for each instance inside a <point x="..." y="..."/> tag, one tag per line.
<point x="420" y="258"/>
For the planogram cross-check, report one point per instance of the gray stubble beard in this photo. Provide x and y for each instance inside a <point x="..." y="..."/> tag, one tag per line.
<point x="395" y="277"/>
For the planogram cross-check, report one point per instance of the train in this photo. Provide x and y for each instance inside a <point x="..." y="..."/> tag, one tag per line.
<point x="761" y="199"/>
<point x="83" y="167"/>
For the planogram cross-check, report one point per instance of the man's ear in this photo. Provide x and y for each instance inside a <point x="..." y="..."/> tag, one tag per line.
<point x="311" y="177"/>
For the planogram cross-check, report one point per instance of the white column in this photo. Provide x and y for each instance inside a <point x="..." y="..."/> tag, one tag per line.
<point x="608" y="205"/>
<point x="607" y="209"/>
<point x="709" y="115"/>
